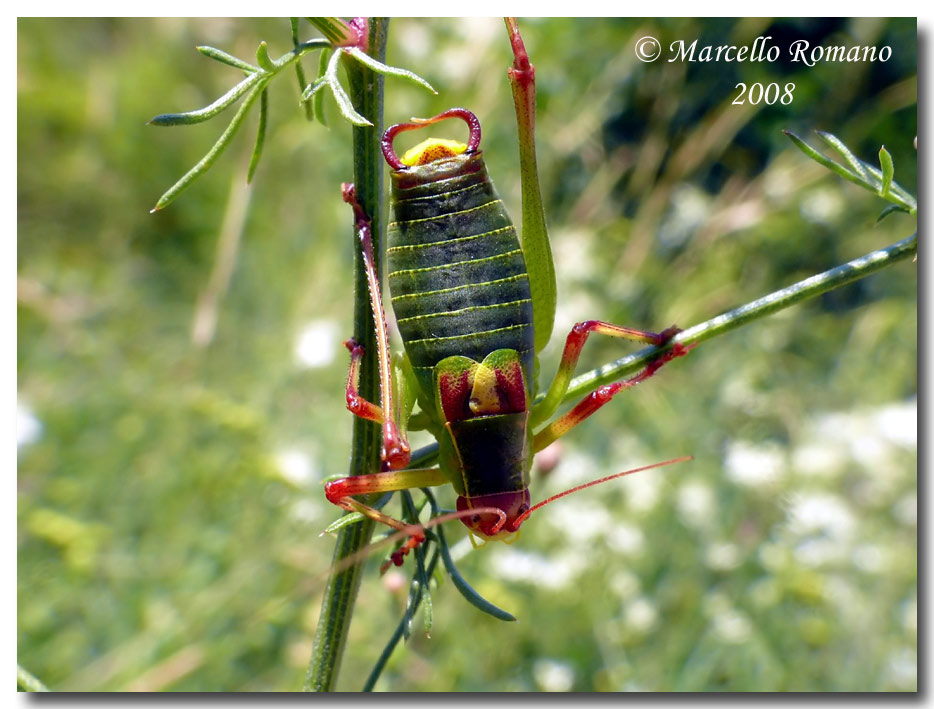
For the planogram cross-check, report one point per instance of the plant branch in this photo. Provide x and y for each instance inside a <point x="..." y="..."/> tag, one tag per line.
<point x="366" y="93"/>
<point x="28" y="681"/>
<point x="721" y="324"/>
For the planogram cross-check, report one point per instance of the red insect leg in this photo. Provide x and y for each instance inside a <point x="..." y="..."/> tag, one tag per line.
<point x="602" y="395"/>
<point x="396" y="452"/>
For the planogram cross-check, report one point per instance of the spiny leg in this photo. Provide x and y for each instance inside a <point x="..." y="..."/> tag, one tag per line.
<point x="572" y="351"/>
<point x="340" y="493"/>
<point x="396" y="452"/>
<point x="356" y="404"/>
<point x="599" y="397"/>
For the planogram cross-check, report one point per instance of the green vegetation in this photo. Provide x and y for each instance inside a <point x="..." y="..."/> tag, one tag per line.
<point x="181" y="374"/>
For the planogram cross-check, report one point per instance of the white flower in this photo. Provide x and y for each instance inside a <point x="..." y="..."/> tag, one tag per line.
<point x="553" y="676"/>
<point x="696" y="504"/>
<point x="820" y="513"/>
<point x="754" y="465"/>
<point x="296" y="466"/>
<point x="640" y="614"/>
<point x="317" y="344"/>
<point x="28" y="427"/>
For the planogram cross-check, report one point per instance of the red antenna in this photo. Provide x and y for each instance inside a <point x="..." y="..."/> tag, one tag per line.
<point x="525" y="515"/>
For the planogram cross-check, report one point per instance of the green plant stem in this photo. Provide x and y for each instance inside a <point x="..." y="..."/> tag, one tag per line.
<point x="366" y="93"/>
<point x="721" y="324"/>
<point x="28" y="681"/>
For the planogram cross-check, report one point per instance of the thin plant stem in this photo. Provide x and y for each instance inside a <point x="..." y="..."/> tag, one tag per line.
<point x="28" y="681"/>
<point x="745" y="314"/>
<point x="366" y="93"/>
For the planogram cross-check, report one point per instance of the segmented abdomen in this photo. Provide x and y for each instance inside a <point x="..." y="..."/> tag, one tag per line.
<point x="456" y="272"/>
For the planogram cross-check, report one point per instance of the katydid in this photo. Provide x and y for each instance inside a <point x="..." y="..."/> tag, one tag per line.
<point x="474" y="308"/>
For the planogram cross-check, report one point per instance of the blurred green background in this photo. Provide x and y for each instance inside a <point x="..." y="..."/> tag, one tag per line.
<point x="173" y="430"/>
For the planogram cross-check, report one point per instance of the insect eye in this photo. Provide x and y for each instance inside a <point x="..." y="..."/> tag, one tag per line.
<point x="475" y="519"/>
<point x="523" y="508"/>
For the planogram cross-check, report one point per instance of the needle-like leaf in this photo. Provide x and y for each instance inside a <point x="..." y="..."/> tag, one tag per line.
<point x="824" y="160"/>
<point x="226" y="58"/>
<point x="888" y="171"/>
<point x="317" y="101"/>
<point x="343" y="521"/>
<point x="381" y="68"/>
<point x="260" y="134"/>
<point x="891" y="208"/>
<point x="314" y="87"/>
<point x="203" y="114"/>
<point x="299" y="69"/>
<point x="262" y="58"/>
<point x="853" y="161"/>
<point x="344" y="103"/>
<point x="863" y="174"/>
<point x="214" y="152"/>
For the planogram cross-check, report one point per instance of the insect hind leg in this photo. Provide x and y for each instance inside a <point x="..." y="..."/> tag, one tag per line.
<point x="602" y="394"/>
<point x="572" y="351"/>
<point x="396" y="451"/>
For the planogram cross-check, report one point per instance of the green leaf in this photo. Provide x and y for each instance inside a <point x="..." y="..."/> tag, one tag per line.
<point x="317" y="101"/>
<point x="840" y="147"/>
<point x="299" y="69"/>
<point x="208" y="112"/>
<point x="823" y="160"/>
<point x="260" y="135"/>
<point x="888" y="171"/>
<point x="344" y="521"/>
<point x="344" y="104"/>
<point x="262" y="58"/>
<point x="891" y="208"/>
<point x="314" y="87"/>
<point x="215" y="152"/>
<point x="897" y="193"/>
<point x="381" y="68"/>
<point x="467" y="591"/>
<point x="226" y="58"/>
<point x="869" y="178"/>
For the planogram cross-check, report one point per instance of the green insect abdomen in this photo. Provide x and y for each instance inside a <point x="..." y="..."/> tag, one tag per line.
<point x="456" y="272"/>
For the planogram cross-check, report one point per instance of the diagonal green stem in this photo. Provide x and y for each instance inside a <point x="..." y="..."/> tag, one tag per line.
<point x="28" y="681"/>
<point x="779" y="300"/>
<point x="366" y="89"/>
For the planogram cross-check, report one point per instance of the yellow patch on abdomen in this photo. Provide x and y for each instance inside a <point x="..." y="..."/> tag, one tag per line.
<point x="430" y="150"/>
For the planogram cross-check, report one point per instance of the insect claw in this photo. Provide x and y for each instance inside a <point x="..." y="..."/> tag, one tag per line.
<point x="666" y="334"/>
<point x="398" y="556"/>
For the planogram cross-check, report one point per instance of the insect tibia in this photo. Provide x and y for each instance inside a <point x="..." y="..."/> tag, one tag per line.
<point x="396" y="451"/>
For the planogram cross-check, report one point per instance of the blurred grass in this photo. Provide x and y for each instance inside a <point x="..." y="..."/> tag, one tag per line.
<point x="169" y="497"/>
